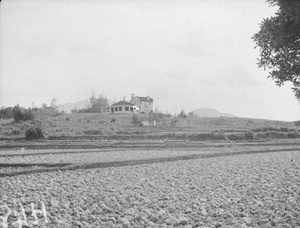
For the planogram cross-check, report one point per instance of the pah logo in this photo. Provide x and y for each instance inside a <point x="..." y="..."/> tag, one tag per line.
<point x="6" y="212"/>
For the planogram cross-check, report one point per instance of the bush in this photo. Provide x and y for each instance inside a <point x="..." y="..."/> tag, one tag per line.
<point x="206" y="136"/>
<point x="21" y="114"/>
<point x="292" y="135"/>
<point x="6" y="113"/>
<point x="67" y="118"/>
<point x="297" y="123"/>
<point x="16" y="132"/>
<point x="284" y="129"/>
<point x="34" y="133"/>
<point x="249" y="135"/>
<point x="93" y="132"/>
<point x="235" y="137"/>
<point x="45" y="112"/>
<point x="135" y="119"/>
<point x="173" y="122"/>
<point x="293" y="130"/>
<point x="271" y="135"/>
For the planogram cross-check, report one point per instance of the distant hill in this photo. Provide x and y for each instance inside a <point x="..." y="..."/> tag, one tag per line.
<point x="210" y="112"/>
<point x="69" y="106"/>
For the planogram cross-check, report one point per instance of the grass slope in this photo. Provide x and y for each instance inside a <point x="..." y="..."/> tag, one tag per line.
<point x="80" y="124"/>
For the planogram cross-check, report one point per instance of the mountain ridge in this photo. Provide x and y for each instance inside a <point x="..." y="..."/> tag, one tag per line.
<point x="67" y="107"/>
<point x="210" y="112"/>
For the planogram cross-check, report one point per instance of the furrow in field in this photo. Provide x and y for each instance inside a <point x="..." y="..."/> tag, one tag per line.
<point x="250" y="190"/>
<point x="47" y="167"/>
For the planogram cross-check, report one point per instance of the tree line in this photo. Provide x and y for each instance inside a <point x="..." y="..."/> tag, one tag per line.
<point x="19" y="113"/>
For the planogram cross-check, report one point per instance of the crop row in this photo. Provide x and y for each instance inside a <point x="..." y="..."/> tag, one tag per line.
<point x="258" y="190"/>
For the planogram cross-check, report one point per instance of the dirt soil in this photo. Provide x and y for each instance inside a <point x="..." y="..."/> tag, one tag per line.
<point x="44" y="156"/>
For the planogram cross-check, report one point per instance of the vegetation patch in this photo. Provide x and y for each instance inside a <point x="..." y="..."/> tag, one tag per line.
<point x="93" y="132"/>
<point x="34" y="133"/>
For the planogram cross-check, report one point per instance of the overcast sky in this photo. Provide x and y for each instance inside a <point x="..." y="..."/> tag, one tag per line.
<point x="184" y="54"/>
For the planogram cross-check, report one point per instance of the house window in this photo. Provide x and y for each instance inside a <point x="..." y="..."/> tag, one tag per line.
<point x="116" y="109"/>
<point x="131" y="108"/>
<point x="126" y="108"/>
<point x="120" y="109"/>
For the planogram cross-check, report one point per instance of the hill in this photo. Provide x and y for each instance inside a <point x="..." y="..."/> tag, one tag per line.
<point x="210" y="112"/>
<point x="93" y="125"/>
<point x="70" y="106"/>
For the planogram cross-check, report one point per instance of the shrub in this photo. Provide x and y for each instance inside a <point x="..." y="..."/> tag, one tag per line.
<point x="235" y="137"/>
<point x="266" y="129"/>
<point x="6" y="113"/>
<point x="284" y="129"/>
<point x="249" y="135"/>
<point x="277" y="135"/>
<point x="34" y="133"/>
<point x="293" y="135"/>
<point x="44" y="112"/>
<point x="293" y="130"/>
<point x="22" y="114"/>
<point x="206" y="136"/>
<point x="297" y="123"/>
<point x="93" y="132"/>
<point x="16" y="132"/>
<point x="135" y="119"/>
<point x="271" y="135"/>
<point x="222" y="136"/>
<point x="67" y="118"/>
<point x="173" y="122"/>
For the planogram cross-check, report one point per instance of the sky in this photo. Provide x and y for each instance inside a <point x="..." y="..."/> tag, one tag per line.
<point x="185" y="54"/>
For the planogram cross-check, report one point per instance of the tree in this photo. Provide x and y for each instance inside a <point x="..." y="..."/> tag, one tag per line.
<point x="22" y="114"/>
<point x="98" y="103"/>
<point x="6" y="113"/>
<point x="53" y="104"/>
<point x="279" y="43"/>
<point x="182" y="114"/>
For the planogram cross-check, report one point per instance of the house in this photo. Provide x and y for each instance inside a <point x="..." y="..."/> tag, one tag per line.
<point x="145" y="104"/>
<point x="122" y="107"/>
<point x="105" y="109"/>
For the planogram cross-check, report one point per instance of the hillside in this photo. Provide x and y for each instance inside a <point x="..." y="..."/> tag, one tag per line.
<point x="95" y="124"/>
<point x="210" y="112"/>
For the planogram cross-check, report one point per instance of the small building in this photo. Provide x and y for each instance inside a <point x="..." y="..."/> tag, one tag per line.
<point x="145" y="104"/>
<point x="105" y="109"/>
<point x="122" y="107"/>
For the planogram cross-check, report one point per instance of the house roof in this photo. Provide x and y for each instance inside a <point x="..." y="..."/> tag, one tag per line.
<point x="122" y="103"/>
<point x="145" y="99"/>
